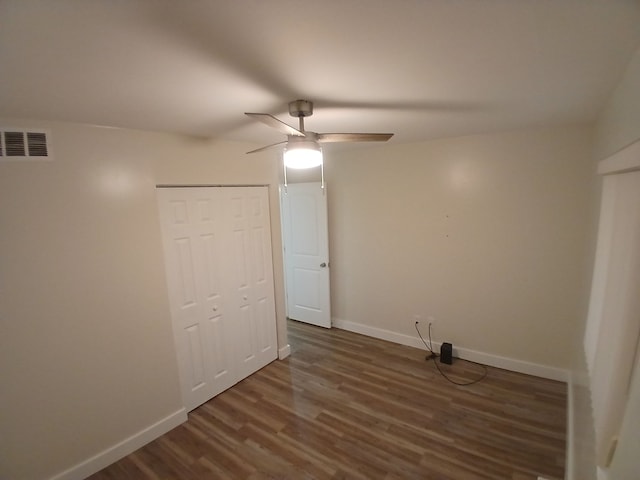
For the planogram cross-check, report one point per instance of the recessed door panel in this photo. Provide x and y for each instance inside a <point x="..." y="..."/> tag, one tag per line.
<point x="305" y="289"/>
<point x="212" y="265"/>
<point x="186" y="279"/>
<point x="222" y="363"/>
<point x="258" y="243"/>
<point x="247" y="334"/>
<point x="304" y="223"/>
<point x="195" y="357"/>
<point x="265" y="342"/>
<point x="240" y="258"/>
<point x="179" y="212"/>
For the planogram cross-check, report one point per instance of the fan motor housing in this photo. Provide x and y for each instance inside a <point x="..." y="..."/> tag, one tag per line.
<point x="300" y="108"/>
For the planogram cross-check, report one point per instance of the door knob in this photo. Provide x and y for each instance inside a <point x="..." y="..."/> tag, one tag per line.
<point x="323" y="265"/>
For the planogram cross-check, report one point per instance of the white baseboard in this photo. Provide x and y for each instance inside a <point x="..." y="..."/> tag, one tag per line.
<point x="123" y="448"/>
<point x="498" y="361"/>
<point x="284" y="352"/>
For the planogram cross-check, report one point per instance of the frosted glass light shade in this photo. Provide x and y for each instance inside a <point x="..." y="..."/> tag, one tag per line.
<point x="302" y="155"/>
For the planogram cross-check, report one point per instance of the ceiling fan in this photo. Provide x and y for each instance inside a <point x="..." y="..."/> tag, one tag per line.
<point x="302" y="147"/>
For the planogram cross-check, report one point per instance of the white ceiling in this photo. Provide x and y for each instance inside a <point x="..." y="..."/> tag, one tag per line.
<point x="421" y="69"/>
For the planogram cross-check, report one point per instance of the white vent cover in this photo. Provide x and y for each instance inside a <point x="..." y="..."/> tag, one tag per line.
<point x="20" y="144"/>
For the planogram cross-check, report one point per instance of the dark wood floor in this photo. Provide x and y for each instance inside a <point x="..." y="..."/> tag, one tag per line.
<point x="348" y="406"/>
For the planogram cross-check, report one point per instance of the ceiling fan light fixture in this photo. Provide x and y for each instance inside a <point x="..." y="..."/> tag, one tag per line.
<point x="302" y="154"/>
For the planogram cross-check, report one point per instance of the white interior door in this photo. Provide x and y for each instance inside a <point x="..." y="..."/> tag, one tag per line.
<point x="219" y="274"/>
<point x="306" y="253"/>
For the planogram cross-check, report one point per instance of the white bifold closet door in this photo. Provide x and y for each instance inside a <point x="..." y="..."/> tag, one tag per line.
<point x="217" y="245"/>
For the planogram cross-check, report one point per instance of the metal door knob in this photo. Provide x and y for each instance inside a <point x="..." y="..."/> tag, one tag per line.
<point x="323" y="265"/>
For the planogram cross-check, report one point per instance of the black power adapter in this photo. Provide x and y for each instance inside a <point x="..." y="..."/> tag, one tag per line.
<point x="446" y="353"/>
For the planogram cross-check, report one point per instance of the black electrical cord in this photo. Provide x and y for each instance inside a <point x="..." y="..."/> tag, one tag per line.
<point x="434" y="355"/>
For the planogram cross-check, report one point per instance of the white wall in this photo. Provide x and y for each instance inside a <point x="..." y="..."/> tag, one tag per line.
<point x="486" y="233"/>
<point x="86" y="347"/>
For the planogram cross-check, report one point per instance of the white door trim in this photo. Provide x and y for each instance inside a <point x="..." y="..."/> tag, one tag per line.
<point x="625" y="160"/>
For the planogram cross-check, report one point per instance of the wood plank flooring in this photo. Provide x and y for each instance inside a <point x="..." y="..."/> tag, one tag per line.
<point x="348" y="406"/>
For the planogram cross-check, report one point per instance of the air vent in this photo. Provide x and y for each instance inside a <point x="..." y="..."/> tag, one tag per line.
<point x="18" y="144"/>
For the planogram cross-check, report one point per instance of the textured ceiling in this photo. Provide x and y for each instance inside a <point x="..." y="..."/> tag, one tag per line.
<point x="421" y="69"/>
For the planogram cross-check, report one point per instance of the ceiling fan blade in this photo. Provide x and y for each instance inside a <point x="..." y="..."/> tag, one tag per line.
<point x="273" y="122"/>
<point x="353" y="137"/>
<point x="267" y="147"/>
